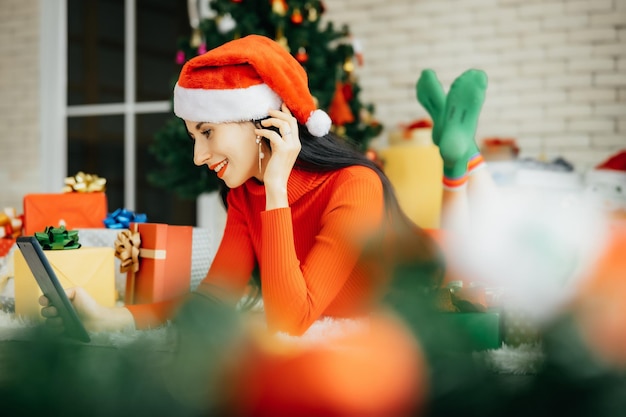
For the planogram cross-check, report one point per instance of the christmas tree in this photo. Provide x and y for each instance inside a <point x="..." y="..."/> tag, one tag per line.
<point x="328" y="55"/>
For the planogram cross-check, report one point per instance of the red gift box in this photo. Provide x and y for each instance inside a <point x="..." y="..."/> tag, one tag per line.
<point x="164" y="263"/>
<point x="73" y="210"/>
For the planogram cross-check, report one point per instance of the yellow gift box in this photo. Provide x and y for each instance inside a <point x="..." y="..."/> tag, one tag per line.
<point x="88" y="267"/>
<point x="416" y="172"/>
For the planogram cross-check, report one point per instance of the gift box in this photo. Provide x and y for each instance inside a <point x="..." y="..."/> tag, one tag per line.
<point x="479" y="330"/>
<point x="418" y="132"/>
<point x="89" y="268"/>
<point x="161" y="268"/>
<point x="519" y="327"/>
<point x="415" y="172"/>
<point x="72" y="210"/>
<point x="105" y="238"/>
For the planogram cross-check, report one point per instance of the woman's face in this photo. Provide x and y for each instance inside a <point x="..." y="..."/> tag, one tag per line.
<point x="229" y="149"/>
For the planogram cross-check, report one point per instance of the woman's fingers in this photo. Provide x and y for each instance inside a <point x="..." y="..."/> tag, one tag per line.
<point x="43" y="301"/>
<point x="283" y="120"/>
<point x="50" y="311"/>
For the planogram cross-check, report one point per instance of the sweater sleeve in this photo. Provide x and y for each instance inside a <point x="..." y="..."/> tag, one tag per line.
<point x="296" y="292"/>
<point x="232" y="266"/>
<point x="227" y="277"/>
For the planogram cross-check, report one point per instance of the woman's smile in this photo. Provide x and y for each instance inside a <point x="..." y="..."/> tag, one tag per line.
<point x="219" y="168"/>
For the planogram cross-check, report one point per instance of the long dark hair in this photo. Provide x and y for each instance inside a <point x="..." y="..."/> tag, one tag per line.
<point x="410" y="245"/>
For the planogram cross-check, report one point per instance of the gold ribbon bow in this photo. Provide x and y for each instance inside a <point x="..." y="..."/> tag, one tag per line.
<point x="84" y="183"/>
<point x="127" y="250"/>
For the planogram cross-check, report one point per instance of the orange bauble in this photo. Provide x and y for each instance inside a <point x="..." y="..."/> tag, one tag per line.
<point x="601" y="307"/>
<point x="375" y="372"/>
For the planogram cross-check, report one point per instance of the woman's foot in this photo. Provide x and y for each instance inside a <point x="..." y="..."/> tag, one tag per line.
<point x="457" y="146"/>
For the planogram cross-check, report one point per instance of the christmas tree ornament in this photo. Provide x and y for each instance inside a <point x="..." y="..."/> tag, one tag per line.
<point x="202" y="48"/>
<point x="347" y="90"/>
<point x="348" y="65"/>
<point x="339" y="110"/>
<point x="237" y="1"/>
<point x="225" y="23"/>
<point x="180" y="57"/>
<point x="279" y="7"/>
<point x="357" y="47"/>
<point x="215" y="86"/>
<point x="312" y="14"/>
<point x="196" y="38"/>
<point x="365" y="115"/>
<point x="281" y="39"/>
<point x="296" y="17"/>
<point x="301" y="55"/>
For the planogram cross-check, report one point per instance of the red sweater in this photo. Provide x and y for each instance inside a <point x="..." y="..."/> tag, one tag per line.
<point x="309" y="254"/>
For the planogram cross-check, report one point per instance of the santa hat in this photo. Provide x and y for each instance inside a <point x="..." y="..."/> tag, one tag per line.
<point x="241" y="80"/>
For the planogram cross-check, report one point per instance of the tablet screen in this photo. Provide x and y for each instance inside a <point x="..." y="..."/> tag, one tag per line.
<point x="50" y="286"/>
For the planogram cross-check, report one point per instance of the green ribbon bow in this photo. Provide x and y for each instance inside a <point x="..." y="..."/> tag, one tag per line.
<point x="58" y="238"/>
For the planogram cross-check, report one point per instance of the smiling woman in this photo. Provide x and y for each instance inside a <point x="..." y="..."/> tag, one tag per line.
<point x="304" y="209"/>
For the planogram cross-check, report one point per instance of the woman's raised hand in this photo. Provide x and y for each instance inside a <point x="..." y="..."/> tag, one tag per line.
<point x="285" y="145"/>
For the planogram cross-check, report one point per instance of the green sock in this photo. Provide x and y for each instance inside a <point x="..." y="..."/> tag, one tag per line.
<point x="431" y="96"/>
<point x="460" y="119"/>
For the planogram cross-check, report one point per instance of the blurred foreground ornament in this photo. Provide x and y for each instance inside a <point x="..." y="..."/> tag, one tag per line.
<point x="532" y="246"/>
<point x="352" y="375"/>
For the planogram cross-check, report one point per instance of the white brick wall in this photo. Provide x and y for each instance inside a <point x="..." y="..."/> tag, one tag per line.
<point x="557" y="68"/>
<point x="557" y="72"/>
<point x="19" y="101"/>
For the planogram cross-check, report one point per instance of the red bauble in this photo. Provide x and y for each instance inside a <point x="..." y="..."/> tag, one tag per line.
<point x="302" y="56"/>
<point x="296" y="17"/>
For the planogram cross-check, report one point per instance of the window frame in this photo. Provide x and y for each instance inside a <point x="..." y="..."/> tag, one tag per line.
<point x="54" y="110"/>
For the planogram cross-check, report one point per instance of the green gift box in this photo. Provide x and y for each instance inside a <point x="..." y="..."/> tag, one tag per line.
<point x="476" y="330"/>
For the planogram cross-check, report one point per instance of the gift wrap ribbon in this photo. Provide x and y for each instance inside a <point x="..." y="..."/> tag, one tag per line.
<point x="58" y="238"/>
<point x="122" y="218"/>
<point x="128" y="250"/>
<point x="84" y="183"/>
<point x="10" y="223"/>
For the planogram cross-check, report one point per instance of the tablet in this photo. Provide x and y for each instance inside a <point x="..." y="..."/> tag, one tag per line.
<point x="50" y="286"/>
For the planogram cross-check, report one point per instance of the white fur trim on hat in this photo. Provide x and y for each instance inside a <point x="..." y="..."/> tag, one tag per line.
<point x="318" y="123"/>
<point x="220" y="106"/>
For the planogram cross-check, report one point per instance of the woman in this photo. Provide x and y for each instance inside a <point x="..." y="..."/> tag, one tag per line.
<point x="309" y="211"/>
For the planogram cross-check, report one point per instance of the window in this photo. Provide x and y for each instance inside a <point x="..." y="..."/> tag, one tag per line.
<point x="120" y="73"/>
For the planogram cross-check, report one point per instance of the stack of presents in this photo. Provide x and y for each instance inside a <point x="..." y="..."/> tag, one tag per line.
<point x="88" y="246"/>
<point x="120" y="258"/>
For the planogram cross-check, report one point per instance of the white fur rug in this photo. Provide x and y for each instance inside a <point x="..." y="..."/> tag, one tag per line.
<point x="525" y="359"/>
<point x="519" y="360"/>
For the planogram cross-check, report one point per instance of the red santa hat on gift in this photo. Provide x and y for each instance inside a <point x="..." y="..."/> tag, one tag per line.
<point x="241" y="80"/>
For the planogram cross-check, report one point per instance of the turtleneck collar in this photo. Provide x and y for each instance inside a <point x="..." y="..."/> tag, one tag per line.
<point x="299" y="183"/>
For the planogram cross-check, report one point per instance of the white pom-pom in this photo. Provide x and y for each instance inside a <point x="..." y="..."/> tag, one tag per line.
<point x="319" y="123"/>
